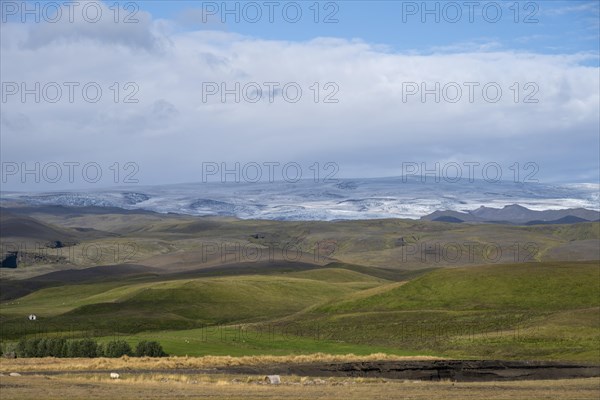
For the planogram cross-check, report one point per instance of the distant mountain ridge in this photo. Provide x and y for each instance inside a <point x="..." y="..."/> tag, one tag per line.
<point x="329" y="200"/>
<point x="516" y="214"/>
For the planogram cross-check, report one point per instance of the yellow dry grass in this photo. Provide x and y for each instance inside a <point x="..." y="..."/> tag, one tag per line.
<point x="148" y="363"/>
<point x="222" y="387"/>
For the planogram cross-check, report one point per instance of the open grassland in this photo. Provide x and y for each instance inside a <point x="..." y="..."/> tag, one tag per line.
<point x="183" y="243"/>
<point x="544" y="310"/>
<point x="531" y="286"/>
<point x="178" y="304"/>
<point x="239" y="341"/>
<point x="526" y="311"/>
<point x="366" y="296"/>
<point x="159" y="386"/>
<point x="222" y="286"/>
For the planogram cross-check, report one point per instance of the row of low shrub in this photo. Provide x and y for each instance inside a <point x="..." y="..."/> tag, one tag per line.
<point x="57" y="347"/>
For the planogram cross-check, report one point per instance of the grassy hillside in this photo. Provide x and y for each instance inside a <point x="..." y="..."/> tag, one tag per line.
<point x="179" y="243"/>
<point x="337" y="275"/>
<point x="177" y="304"/>
<point x="386" y="285"/>
<point x="533" y="286"/>
<point x="538" y="310"/>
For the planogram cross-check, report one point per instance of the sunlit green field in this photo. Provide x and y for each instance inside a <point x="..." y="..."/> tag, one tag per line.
<point x="517" y="311"/>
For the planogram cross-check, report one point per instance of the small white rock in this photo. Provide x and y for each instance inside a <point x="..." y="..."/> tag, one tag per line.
<point x="273" y="379"/>
<point x="14" y="374"/>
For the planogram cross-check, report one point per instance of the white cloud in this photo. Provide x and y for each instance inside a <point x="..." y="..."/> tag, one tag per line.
<point x="371" y="131"/>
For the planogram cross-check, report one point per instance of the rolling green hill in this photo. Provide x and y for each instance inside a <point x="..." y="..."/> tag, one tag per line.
<point x="537" y="310"/>
<point x="543" y="310"/>
<point x="178" y="304"/>
<point x="531" y="286"/>
<point x="176" y="243"/>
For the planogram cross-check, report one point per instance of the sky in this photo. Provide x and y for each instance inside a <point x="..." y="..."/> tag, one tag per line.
<point x="153" y="92"/>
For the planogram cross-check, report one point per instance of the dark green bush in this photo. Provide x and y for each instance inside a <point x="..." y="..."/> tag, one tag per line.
<point x="56" y="347"/>
<point x="73" y="348"/>
<point x="88" y="348"/>
<point x="149" y="349"/>
<point x="28" y="348"/>
<point x="117" y="348"/>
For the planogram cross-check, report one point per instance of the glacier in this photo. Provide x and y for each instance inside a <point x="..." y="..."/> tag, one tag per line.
<point x="372" y="198"/>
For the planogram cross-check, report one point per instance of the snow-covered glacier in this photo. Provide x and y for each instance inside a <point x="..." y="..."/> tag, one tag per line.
<point x="340" y="199"/>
